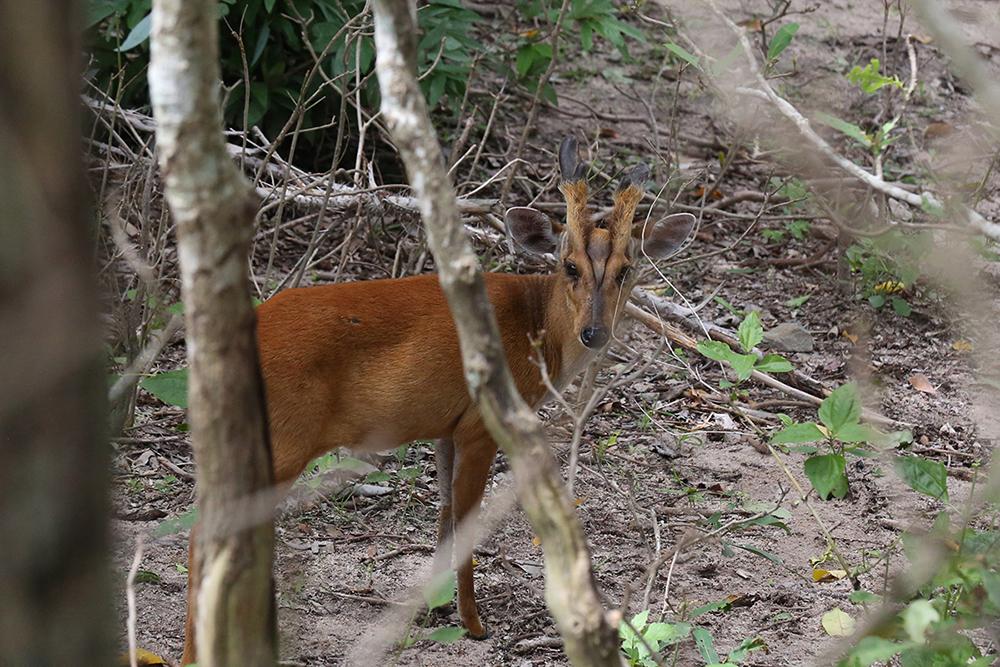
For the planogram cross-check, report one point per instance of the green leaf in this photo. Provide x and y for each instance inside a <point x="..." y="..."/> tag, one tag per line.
<point x="98" y="10"/>
<point x="871" y="650"/>
<point x="840" y="408"/>
<point x="177" y="524"/>
<point x="827" y="474"/>
<point x="767" y="555"/>
<point x="138" y="34"/>
<point x="869" y="79"/>
<point x="781" y="40"/>
<point x="706" y="647"/>
<point x="917" y="617"/>
<point x="743" y="365"/>
<point x="798" y="301"/>
<point x="170" y="387"/>
<point x="447" y="635"/>
<point x="842" y="126"/>
<point x="923" y="475"/>
<point x="639" y="620"/>
<point x="441" y="589"/>
<point x="773" y="363"/>
<point x="739" y="654"/>
<point x="683" y="54"/>
<point x="876" y="301"/>
<point x="859" y="433"/>
<point x="837" y="623"/>
<point x="659" y="634"/>
<point x="525" y="59"/>
<point x="751" y="333"/>
<point x="795" y="433"/>
<point x="861" y="597"/>
<point x="901" y="306"/>
<point x="715" y="350"/>
<point x="718" y="605"/>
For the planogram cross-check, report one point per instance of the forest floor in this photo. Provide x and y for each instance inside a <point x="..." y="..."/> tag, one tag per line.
<point x="661" y="456"/>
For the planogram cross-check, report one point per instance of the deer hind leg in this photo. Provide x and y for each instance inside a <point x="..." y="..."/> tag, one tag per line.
<point x="474" y="454"/>
<point x="444" y="457"/>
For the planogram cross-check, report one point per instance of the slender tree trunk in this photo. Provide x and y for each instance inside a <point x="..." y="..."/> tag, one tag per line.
<point x="214" y="207"/>
<point x="54" y="599"/>
<point x="570" y="591"/>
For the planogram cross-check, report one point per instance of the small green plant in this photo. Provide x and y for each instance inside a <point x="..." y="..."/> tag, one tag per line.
<point x="273" y="54"/>
<point x="603" y="445"/>
<point x="706" y="648"/>
<point x="638" y="637"/>
<point x="841" y="434"/>
<point x="167" y="484"/>
<point x="585" y="19"/>
<point x="438" y="593"/>
<point x="781" y="41"/>
<point x="751" y="333"/>
<point x="962" y="596"/>
<point x="888" y="267"/>
<point x="870" y="80"/>
<point x="169" y="386"/>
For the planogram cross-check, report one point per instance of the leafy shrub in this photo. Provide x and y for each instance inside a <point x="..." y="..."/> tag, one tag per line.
<point x="275" y="38"/>
<point x="888" y="267"/>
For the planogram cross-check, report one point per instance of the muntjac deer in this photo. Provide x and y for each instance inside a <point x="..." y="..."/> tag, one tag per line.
<point x="372" y="365"/>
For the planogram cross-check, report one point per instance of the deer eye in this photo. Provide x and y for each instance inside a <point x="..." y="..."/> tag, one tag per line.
<point x="572" y="271"/>
<point x="623" y="274"/>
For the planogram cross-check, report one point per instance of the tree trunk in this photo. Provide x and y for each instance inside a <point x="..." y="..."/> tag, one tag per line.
<point x="214" y="207"/>
<point x="570" y="590"/>
<point x="54" y="599"/>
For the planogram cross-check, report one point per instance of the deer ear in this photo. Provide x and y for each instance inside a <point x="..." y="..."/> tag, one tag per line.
<point x="664" y="237"/>
<point x="532" y="230"/>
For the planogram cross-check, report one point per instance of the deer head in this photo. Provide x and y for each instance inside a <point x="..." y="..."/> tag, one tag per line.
<point x="596" y="262"/>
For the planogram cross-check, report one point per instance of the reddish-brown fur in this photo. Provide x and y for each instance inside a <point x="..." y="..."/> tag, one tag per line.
<point x="372" y="365"/>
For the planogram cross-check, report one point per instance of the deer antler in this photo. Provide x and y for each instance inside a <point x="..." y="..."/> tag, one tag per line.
<point x="574" y="188"/>
<point x="626" y="199"/>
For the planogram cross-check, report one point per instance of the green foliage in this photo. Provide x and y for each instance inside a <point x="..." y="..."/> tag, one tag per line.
<point x="869" y="79"/>
<point x="177" y="524"/>
<point x="276" y="41"/>
<point x="706" y="649"/>
<point x="683" y="54"/>
<point x="889" y="266"/>
<point x="842" y="431"/>
<point x="963" y="595"/>
<point x="584" y="20"/>
<point x="440" y="591"/>
<point x="654" y="635"/>
<point x="781" y="40"/>
<point x="751" y="333"/>
<point x="170" y="387"/>
<point x="827" y="473"/>
<point x="927" y="477"/>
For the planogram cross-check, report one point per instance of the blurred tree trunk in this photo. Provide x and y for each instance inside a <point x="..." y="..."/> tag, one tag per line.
<point x="54" y="598"/>
<point x="589" y="635"/>
<point x="214" y="208"/>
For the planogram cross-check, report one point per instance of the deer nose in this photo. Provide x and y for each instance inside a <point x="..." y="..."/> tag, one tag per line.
<point x="594" y="337"/>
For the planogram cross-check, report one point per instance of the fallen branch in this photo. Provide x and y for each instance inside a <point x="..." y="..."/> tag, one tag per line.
<point x="674" y="334"/>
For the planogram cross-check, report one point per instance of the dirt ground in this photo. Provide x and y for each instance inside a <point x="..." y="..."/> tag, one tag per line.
<point x="657" y="458"/>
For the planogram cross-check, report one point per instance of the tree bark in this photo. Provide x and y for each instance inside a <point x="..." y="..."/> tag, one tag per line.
<point x="213" y="207"/>
<point x="570" y="591"/>
<point x="55" y="604"/>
